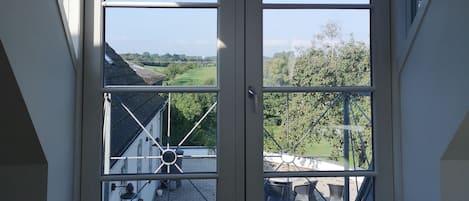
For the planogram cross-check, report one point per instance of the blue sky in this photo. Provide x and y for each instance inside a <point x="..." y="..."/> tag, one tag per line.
<point x="193" y="31"/>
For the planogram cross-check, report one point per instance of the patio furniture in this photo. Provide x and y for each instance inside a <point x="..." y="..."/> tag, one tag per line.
<point x="336" y="192"/>
<point x="305" y="192"/>
<point x="278" y="191"/>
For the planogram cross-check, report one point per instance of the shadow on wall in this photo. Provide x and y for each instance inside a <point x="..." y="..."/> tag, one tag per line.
<point x="455" y="165"/>
<point x="23" y="167"/>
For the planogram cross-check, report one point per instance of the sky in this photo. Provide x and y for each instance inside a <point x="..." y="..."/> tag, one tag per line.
<point x="194" y="31"/>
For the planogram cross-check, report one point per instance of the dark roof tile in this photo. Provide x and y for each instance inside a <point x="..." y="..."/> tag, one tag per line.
<point x="143" y="105"/>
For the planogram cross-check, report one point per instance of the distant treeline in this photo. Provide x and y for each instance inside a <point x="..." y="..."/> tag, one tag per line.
<point x="165" y="59"/>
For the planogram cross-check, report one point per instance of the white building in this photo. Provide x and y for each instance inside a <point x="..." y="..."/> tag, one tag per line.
<point x="130" y="149"/>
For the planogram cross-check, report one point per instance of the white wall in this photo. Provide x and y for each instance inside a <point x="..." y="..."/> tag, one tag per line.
<point x="148" y="192"/>
<point x="434" y="95"/>
<point x="34" y="40"/>
<point x="71" y="11"/>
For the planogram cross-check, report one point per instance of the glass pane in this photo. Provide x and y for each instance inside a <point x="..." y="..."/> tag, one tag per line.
<point x="317" y="48"/>
<point x="165" y="47"/>
<point x="160" y="190"/>
<point x="320" y="1"/>
<point x="317" y="131"/>
<point x="136" y="137"/>
<point x="168" y="1"/>
<point x="319" y="188"/>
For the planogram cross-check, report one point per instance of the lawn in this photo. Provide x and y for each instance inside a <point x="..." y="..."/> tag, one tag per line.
<point x="196" y="76"/>
<point x="157" y="69"/>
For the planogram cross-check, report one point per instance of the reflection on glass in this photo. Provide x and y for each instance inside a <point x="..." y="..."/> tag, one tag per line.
<point x="160" y="190"/>
<point x="316" y="48"/>
<point x="174" y="47"/>
<point x="317" y="131"/>
<point x="318" y="188"/>
<point x="137" y="139"/>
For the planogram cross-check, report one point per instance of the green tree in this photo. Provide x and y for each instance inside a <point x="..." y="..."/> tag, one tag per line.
<point x="278" y="69"/>
<point x="331" y="61"/>
<point x="186" y="110"/>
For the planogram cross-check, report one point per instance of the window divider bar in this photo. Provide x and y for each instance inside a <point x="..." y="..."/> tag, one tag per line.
<point x="350" y="173"/>
<point x="131" y="4"/>
<point x="314" y="6"/>
<point x="319" y="89"/>
<point x="118" y="88"/>
<point x="131" y="177"/>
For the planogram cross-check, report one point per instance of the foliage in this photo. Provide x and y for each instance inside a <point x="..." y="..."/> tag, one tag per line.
<point x="279" y="68"/>
<point x="165" y="59"/>
<point x="330" y="61"/>
<point x="293" y="122"/>
<point x="186" y="110"/>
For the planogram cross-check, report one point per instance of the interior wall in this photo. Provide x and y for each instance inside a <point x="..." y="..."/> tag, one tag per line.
<point x="434" y="95"/>
<point x="33" y="36"/>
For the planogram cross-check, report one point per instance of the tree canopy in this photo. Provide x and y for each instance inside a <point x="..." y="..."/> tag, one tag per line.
<point x="294" y="121"/>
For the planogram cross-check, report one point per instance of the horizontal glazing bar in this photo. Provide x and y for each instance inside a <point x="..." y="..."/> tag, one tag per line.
<point x="315" y="6"/>
<point x="199" y="156"/>
<point x="158" y="176"/>
<point x="134" y="157"/>
<point x="160" y="4"/>
<point x="158" y="89"/>
<point x="320" y="174"/>
<point x="158" y="157"/>
<point x="318" y="89"/>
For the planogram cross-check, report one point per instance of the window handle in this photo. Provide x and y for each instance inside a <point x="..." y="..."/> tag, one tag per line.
<point x="253" y="95"/>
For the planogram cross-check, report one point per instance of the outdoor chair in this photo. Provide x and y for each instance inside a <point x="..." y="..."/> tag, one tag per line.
<point x="336" y="192"/>
<point x="305" y="192"/>
<point x="279" y="191"/>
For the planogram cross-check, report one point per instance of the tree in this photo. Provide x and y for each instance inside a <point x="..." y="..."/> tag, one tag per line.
<point x="186" y="110"/>
<point x="278" y="69"/>
<point x="330" y="61"/>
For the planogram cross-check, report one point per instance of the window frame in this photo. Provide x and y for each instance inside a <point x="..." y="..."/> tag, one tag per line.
<point x="245" y="54"/>
<point x="93" y="89"/>
<point x="75" y="50"/>
<point x="380" y="27"/>
<point x="409" y="28"/>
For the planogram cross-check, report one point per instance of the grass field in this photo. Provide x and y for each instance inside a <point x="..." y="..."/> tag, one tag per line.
<point x="157" y="69"/>
<point x="197" y="76"/>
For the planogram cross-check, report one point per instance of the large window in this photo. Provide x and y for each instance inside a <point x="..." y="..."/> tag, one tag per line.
<point x="236" y="100"/>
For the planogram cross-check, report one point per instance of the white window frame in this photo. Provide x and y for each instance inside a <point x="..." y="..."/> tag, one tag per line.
<point x="381" y="76"/>
<point x="75" y="8"/>
<point x="70" y="12"/>
<point x="240" y="55"/>
<point x="91" y="176"/>
<point x="407" y="28"/>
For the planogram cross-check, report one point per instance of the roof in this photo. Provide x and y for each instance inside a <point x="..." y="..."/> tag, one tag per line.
<point x="143" y="105"/>
<point x="149" y="76"/>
